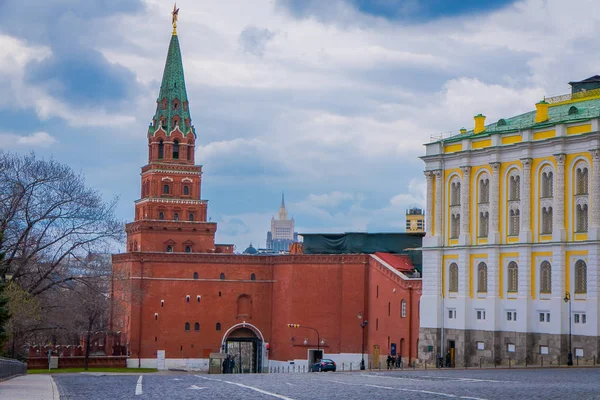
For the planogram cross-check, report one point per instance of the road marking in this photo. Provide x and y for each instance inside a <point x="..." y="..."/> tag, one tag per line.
<point x="177" y="379"/>
<point x="138" y="387"/>
<point x="471" y="398"/>
<point x="434" y="377"/>
<point x="196" y="387"/>
<point x="405" y="390"/>
<point x="278" y="396"/>
<point x="291" y="384"/>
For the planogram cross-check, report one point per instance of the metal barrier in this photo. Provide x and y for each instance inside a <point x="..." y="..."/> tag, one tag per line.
<point x="10" y="368"/>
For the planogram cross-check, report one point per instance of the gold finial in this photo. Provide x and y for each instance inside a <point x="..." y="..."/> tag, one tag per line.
<point x="175" y="14"/>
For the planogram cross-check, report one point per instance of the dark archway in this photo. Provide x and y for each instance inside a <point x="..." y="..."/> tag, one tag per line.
<point x="245" y="346"/>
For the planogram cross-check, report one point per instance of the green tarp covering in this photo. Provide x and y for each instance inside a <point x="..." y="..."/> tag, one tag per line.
<point x="365" y="243"/>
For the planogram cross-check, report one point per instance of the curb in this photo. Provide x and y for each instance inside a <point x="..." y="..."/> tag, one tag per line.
<point x="55" y="393"/>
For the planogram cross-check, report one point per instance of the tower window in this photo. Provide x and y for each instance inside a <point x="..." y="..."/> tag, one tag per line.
<point x="218" y="326"/>
<point x="166" y="189"/>
<point x="176" y="217"/>
<point x="161" y="215"/>
<point x="187" y="298"/>
<point x="176" y="146"/>
<point x="161" y="146"/>
<point x="253" y="277"/>
<point x="191" y="216"/>
<point x="222" y="276"/>
<point x="197" y="327"/>
<point x="169" y="249"/>
<point x="188" y="249"/>
<point x="195" y="275"/>
<point x="186" y="190"/>
<point x="187" y="326"/>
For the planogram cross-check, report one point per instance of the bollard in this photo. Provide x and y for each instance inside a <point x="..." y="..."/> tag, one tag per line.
<point x="379" y="366"/>
<point x="509" y="362"/>
<point x="343" y="366"/>
<point x="480" y="358"/>
<point x="414" y="365"/>
<point x="577" y="357"/>
<point x="542" y="361"/>
<point x="350" y="367"/>
<point x="594" y="360"/>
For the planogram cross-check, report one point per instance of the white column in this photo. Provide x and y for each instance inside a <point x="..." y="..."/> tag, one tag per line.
<point x="439" y="204"/>
<point x="465" y="201"/>
<point x="558" y="228"/>
<point x="494" y="233"/>
<point x="525" y="231"/>
<point x="429" y="204"/>
<point x="594" y="220"/>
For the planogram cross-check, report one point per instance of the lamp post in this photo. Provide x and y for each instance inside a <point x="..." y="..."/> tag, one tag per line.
<point x="567" y="299"/>
<point x="363" y="324"/>
<point x="308" y="327"/>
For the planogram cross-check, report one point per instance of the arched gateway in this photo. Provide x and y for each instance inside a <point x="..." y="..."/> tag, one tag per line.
<point x="244" y="342"/>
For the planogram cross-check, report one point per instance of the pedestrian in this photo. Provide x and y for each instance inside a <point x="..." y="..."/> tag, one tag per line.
<point x="448" y="359"/>
<point x="226" y="365"/>
<point x="231" y="365"/>
<point x="389" y="361"/>
<point x="398" y="361"/>
<point x="439" y="359"/>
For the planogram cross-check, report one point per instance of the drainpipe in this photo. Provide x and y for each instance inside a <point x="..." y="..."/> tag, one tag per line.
<point x="442" y="259"/>
<point x="410" y="292"/>
<point x="140" y="317"/>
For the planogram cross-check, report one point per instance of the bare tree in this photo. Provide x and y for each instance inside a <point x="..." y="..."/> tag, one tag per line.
<point x="51" y="222"/>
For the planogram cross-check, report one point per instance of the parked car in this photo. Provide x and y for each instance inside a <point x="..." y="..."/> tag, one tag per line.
<point x="323" y="365"/>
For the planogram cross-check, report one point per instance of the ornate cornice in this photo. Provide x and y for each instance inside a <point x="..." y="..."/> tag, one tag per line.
<point x="170" y="201"/>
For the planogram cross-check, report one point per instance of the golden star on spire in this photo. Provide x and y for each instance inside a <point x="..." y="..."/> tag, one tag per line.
<point x="175" y="14"/>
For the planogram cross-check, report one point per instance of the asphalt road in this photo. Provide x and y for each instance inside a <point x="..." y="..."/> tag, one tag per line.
<point x="550" y="383"/>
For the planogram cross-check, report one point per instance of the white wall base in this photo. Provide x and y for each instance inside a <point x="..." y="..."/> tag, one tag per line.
<point x="187" y="364"/>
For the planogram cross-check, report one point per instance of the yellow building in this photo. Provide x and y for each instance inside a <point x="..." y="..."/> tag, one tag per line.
<point x="513" y="233"/>
<point x="415" y="220"/>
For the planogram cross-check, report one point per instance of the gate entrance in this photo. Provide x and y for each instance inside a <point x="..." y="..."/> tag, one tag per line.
<point x="245" y="348"/>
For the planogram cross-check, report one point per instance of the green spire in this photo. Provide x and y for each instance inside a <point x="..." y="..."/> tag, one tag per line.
<point x="172" y="99"/>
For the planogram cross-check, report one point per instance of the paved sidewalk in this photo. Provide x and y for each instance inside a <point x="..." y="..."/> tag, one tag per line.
<point x="29" y="387"/>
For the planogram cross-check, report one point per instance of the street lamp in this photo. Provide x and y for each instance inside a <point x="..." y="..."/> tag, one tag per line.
<point x="363" y="324"/>
<point x="567" y="299"/>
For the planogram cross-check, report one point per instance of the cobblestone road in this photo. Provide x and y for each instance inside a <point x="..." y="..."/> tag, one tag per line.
<point x="555" y="383"/>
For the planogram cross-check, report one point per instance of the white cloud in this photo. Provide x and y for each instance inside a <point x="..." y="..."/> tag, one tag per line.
<point x="36" y="139"/>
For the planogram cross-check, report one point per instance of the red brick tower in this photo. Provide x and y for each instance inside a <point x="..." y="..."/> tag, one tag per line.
<point x="170" y="215"/>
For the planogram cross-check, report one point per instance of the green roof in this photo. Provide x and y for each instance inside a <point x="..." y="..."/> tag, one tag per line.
<point x="562" y="113"/>
<point x="173" y="88"/>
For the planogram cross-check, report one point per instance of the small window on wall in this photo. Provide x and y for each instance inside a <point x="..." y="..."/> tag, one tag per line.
<point x="188" y="249"/>
<point x="161" y="146"/>
<point x="166" y="189"/>
<point x="253" y="277"/>
<point x="403" y="309"/>
<point x="176" y="145"/>
<point x="187" y="298"/>
<point x="161" y="215"/>
<point x="186" y="190"/>
<point x="481" y="314"/>
<point x="176" y="217"/>
<point x="187" y="326"/>
<point x="197" y="327"/>
<point x="451" y="313"/>
<point x="218" y="326"/>
<point x="169" y="249"/>
<point x="195" y="275"/>
<point x="222" y="277"/>
<point x="191" y="217"/>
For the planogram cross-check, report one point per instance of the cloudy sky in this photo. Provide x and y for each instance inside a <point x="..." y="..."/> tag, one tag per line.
<point x="329" y="101"/>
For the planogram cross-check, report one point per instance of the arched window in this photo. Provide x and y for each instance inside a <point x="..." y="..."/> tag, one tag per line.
<point x="455" y="194"/>
<point x="581" y="214"/>
<point x="514" y="222"/>
<point x="453" y="278"/>
<point x="186" y="190"/>
<point x="187" y="326"/>
<point x="197" y="326"/>
<point x="222" y="276"/>
<point x="513" y="277"/>
<point x="484" y="190"/>
<point x="482" y="278"/>
<point x="253" y="277"/>
<point x="218" y="326"/>
<point x="176" y="217"/>
<point x="514" y="188"/>
<point x="195" y="275"/>
<point x="581" y="178"/>
<point x="175" y="149"/>
<point x="484" y="224"/>
<point x="161" y="149"/>
<point x="547" y="184"/>
<point x="166" y="189"/>
<point x="190" y="152"/>
<point x="169" y="249"/>
<point x="403" y="308"/>
<point x="161" y="215"/>
<point x="573" y="110"/>
<point x="190" y="216"/>
<point x="545" y="277"/>
<point x="454" y="226"/>
<point x="188" y="249"/>
<point x="580" y="277"/>
<point x="547" y="221"/>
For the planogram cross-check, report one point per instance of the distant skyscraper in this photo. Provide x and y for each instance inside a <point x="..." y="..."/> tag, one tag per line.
<point x="282" y="230"/>
<point x="415" y="220"/>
